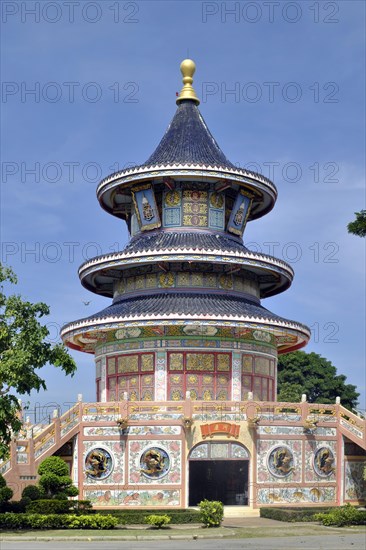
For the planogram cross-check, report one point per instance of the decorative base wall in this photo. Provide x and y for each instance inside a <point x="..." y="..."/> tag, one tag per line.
<point x="173" y="454"/>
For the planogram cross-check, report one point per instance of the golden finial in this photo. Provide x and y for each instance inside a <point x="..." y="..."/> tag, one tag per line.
<point x="187" y="68"/>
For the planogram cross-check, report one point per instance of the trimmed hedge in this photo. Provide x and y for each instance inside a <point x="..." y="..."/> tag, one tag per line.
<point x="292" y="514"/>
<point x="134" y="517"/>
<point x="18" y="506"/>
<point x="53" y="506"/>
<point x="56" y="521"/>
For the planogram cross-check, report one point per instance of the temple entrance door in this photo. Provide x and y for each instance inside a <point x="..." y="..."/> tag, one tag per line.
<point x="219" y="471"/>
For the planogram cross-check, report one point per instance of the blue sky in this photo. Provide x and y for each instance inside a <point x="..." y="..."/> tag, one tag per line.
<point x="105" y="75"/>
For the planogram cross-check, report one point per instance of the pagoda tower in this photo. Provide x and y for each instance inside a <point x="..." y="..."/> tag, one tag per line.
<point x="186" y="317"/>
<point x="186" y="355"/>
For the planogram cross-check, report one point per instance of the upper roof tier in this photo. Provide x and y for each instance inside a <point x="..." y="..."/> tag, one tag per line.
<point x="187" y="151"/>
<point x="188" y="140"/>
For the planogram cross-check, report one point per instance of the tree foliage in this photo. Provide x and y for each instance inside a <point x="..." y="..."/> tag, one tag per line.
<point x="358" y="226"/>
<point x="290" y="393"/>
<point x="317" y="377"/>
<point x="54" y="480"/>
<point x="23" y="351"/>
<point x="31" y="492"/>
<point x="5" y="492"/>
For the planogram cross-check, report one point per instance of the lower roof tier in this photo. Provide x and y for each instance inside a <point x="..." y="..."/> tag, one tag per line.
<point x="167" y="248"/>
<point x="172" y="308"/>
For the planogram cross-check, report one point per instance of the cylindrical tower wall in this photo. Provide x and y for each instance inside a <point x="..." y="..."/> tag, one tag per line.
<point x="166" y="369"/>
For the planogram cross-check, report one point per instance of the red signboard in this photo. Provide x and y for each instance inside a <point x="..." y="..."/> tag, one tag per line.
<point x="208" y="430"/>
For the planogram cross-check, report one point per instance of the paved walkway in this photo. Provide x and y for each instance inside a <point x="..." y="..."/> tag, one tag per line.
<point x="250" y="522"/>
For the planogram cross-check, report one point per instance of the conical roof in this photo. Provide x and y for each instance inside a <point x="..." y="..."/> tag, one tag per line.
<point x="188" y="140"/>
<point x="187" y="149"/>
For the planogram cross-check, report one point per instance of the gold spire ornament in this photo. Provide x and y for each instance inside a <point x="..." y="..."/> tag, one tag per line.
<point x="187" y="68"/>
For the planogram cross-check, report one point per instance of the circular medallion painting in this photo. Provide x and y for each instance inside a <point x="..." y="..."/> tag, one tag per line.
<point x="324" y="462"/>
<point x="98" y="463"/>
<point x="281" y="461"/>
<point x="172" y="198"/>
<point x="154" y="463"/>
<point x="217" y="200"/>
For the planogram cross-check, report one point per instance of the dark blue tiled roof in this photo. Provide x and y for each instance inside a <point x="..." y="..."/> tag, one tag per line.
<point x="184" y="304"/>
<point x="188" y="141"/>
<point x="173" y="241"/>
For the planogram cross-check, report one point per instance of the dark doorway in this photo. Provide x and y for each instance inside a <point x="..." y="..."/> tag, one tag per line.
<point x="224" y="480"/>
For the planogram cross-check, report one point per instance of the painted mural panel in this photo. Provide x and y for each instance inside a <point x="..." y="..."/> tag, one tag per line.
<point x="167" y="452"/>
<point x="245" y="338"/>
<point x="320" y="461"/>
<point x="114" y="465"/>
<point x="279" y="461"/>
<point x="145" y="207"/>
<point x="75" y="462"/>
<point x="293" y="430"/>
<point x="153" y="430"/>
<point x="172" y="208"/>
<point x="155" y="463"/>
<point x="354" y="484"/>
<point x="239" y="213"/>
<point x="195" y="208"/>
<point x="134" y="497"/>
<point x="102" y="430"/>
<point x="98" y="464"/>
<point x="236" y="382"/>
<point x="160" y="377"/>
<point x="217" y="210"/>
<point x="295" y="495"/>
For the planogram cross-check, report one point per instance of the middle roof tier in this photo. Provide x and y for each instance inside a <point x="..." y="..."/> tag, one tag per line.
<point x="159" y="260"/>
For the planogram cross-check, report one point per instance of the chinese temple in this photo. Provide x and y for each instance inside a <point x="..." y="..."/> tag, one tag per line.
<point x="186" y="354"/>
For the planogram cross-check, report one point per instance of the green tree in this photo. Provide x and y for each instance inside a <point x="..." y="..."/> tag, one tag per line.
<point x="54" y="480"/>
<point x="5" y="492"/>
<point x="23" y="351"/>
<point x="317" y="377"/>
<point x="31" y="492"/>
<point x="290" y="393"/>
<point x="358" y="226"/>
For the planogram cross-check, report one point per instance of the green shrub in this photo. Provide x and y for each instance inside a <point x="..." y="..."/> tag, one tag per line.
<point x="53" y="465"/>
<point x="157" y="521"/>
<point x="11" y="520"/>
<point x="41" y="521"/>
<point x="32" y="492"/>
<point x="56" y="521"/>
<point x="96" y="521"/>
<point x="344" y="515"/>
<point x="211" y="512"/>
<point x="292" y="514"/>
<point x="5" y="494"/>
<point x="55" y="481"/>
